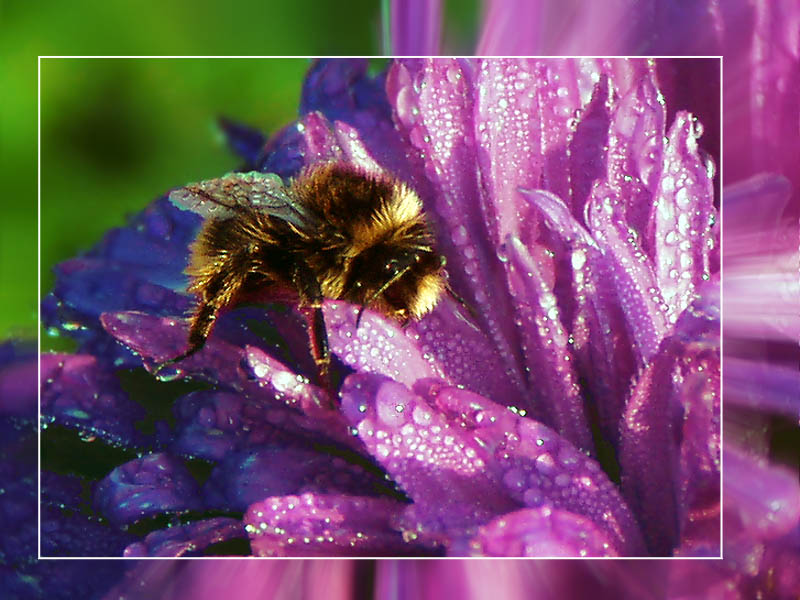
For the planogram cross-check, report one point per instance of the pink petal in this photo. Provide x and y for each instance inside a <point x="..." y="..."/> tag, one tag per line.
<point x="444" y="344"/>
<point x="629" y="271"/>
<point x="557" y="394"/>
<point x="324" y="525"/>
<point x="186" y="539"/>
<point x="433" y="107"/>
<point x="683" y="216"/>
<point x="541" y="532"/>
<point x="669" y="453"/>
<point x="464" y="460"/>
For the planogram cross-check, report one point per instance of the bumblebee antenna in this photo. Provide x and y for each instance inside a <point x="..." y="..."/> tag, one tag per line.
<point x="464" y="304"/>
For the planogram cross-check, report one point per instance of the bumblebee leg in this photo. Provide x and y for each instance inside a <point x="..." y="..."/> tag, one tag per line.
<point x="311" y="304"/>
<point x="217" y="294"/>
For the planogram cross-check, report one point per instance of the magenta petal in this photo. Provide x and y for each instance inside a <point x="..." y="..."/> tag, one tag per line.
<point x="465" y="355"/>
<point x="464" y="460"/>
<point x="442" y="470"/>
<point x="558" y="399"/>
<point x="160" y="339"/>
<point x="508" y="130"/>
<point x="321" y="143"/>
<point x="187" y="540"/>
<point x="669" y="452"/>
<point x="683" y="217"/>
<point x="635" y="151"/>
<point x="599" y="335"/>
<point x="443" y="345"/>
<point x="310" y="408"/>
<point x="541" y="532"/>
<point x="630" y="274"/>
<point x="534" y="465"/>
<point x="146" y="486"/>
<point x="433" y="107"/>
<point x="324" y="525"/>
<point x="378" y="346"/>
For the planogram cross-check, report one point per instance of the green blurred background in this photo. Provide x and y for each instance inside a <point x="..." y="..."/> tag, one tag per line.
<point x="116" y="133"/>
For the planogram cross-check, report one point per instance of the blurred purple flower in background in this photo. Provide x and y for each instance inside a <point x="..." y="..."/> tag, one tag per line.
<point x="182" y="481"/>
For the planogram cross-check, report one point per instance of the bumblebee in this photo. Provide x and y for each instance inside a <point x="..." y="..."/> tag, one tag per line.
<point x="335" y="231"/>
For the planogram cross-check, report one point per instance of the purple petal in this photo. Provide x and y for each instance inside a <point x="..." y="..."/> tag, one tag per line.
<point x="186" y="540"/>
<point x="508" y="131"/>
<point x="629" y="272"/>
<point x="246" y="141"/>
<point x="377" y="346"/>
<point x="669" y="452"/>
<point x="588" y="147"/>
<point x="416" y="27"/>
<point x="443" y="345"/>
<point x="599" y="336"/>
<point x="284" y="152"/>
<point x="574" y="121"/>
<point x="541" y="532"/>
<point x="342" y="90"/>
<point x="336" y="141"/>
<point x="249" y="476"/>
<point x="67" y="533"/>
<point x="558" y="399"/>
<point x="433" y="108"/>
<point x="635" y="152"/>
<point x="161" y="339"/>
<point x="464" y="460"/>
<point x="320" y="142"/>
<point x="79" y="394"/>
<point x="245" y="370"/>
<point x="638" y="128"/>
<point x="320" y="525"/>
<point x="683" y="218"/>
<point x="146" y="486"/>
<point x="465" y="355"/>
<point x="68" y="526"/>
<point x="308" y="408"/>
<point x="441" y="469"/>
<point x="356" y="103"/>
<point x="211" y="424"/>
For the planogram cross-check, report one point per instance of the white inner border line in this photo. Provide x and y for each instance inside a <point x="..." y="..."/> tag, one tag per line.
<point x="39" y="316"/>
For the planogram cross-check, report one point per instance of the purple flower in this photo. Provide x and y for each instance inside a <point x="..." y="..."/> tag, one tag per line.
<point x="578" y="223"/>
